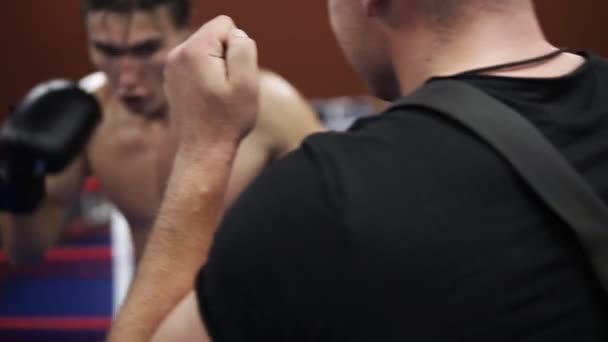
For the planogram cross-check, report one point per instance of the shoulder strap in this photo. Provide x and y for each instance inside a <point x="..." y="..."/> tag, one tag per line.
<point x="534" y="158"/>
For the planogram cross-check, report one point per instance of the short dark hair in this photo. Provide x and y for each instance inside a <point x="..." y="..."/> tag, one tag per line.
<point x="178" y="9"/>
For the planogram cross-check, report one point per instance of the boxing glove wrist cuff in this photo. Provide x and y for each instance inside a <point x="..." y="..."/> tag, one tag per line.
<point x="21" y="186"/>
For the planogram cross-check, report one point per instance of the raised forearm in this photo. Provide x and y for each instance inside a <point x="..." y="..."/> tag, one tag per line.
<point x="211" y="83"/>
<point x="180" y="240"/>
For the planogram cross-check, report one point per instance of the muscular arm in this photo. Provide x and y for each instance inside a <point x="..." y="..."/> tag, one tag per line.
<point x="285" y="119"/>
<point x="173" y="253"/>
<point x="278" y="248"/>
<point x="26" y="238"/>
<point x="172" y="258"/>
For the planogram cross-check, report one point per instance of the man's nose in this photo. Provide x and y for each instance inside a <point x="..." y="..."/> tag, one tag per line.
<point x="128" y="76"/>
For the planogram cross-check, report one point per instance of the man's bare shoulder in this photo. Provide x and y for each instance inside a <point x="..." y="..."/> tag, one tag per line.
<point x="285" y="116"/>
<point x="276" y="90"/>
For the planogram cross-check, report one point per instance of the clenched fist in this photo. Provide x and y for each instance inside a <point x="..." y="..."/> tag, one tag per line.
<point x="211" y="81"/>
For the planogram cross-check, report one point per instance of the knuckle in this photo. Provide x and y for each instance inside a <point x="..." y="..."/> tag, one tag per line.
<point x="178" y="56"/>
<point x="187" y="54"/>
<point x="245" y="88"/>
<point x="217" y="91"/>
<point x="172" y="58"/>
<point x="224" y="92"/>
<point x="211" y="45"/>
<point x="225" y="20"/>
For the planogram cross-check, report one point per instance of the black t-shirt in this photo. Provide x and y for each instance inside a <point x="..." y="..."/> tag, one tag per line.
<point x="409" y="228"/>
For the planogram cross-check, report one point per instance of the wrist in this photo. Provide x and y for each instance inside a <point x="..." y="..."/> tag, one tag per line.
<point x="201" y="166"/>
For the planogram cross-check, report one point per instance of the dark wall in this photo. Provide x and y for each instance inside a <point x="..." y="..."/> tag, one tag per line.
<point x="44" y="39"/>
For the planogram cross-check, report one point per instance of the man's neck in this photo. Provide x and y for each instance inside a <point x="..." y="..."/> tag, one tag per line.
<point x="486" y="40"/>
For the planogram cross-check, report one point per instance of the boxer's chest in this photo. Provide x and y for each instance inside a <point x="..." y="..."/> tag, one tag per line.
<point x="130" y="157"/>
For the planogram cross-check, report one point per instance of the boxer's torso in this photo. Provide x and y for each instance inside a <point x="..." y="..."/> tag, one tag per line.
<point x="125" y="154"/>
<point x="131" y="155"/>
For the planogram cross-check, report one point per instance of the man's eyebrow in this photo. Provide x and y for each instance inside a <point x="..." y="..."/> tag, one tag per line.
<point x="146" y="43"/>
<point x="145" y="47"/>
<point x="100" y="43"/>
<point x="107" y="46"/>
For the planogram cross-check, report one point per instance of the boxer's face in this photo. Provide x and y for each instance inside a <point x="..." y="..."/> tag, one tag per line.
<point x="131" y="49"/>
<point x="364" y="46"/>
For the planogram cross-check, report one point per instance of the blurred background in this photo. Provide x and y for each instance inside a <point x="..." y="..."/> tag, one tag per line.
<point x="45" y="39"/>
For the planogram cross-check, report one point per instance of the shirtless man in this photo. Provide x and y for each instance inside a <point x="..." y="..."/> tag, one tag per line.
<point x="130" y="151"/>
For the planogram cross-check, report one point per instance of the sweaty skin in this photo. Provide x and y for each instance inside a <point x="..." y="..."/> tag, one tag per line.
<point x="132" y="150"/>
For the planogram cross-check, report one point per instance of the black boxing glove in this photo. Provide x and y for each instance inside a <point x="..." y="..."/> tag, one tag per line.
<point x="21" y="182"/>
<point x="47" y="130"/>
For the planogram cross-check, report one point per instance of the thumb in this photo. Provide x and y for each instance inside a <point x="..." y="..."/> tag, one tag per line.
<point x="241" y="61"/>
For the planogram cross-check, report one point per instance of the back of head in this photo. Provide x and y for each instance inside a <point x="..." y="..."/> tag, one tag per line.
<point x="391" y="43"/>
<point x="180" y="10"/>
<point x="445" y="12"/>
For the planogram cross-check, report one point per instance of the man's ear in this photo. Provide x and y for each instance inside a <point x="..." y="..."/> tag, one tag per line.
<point x="375" y="8"/>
